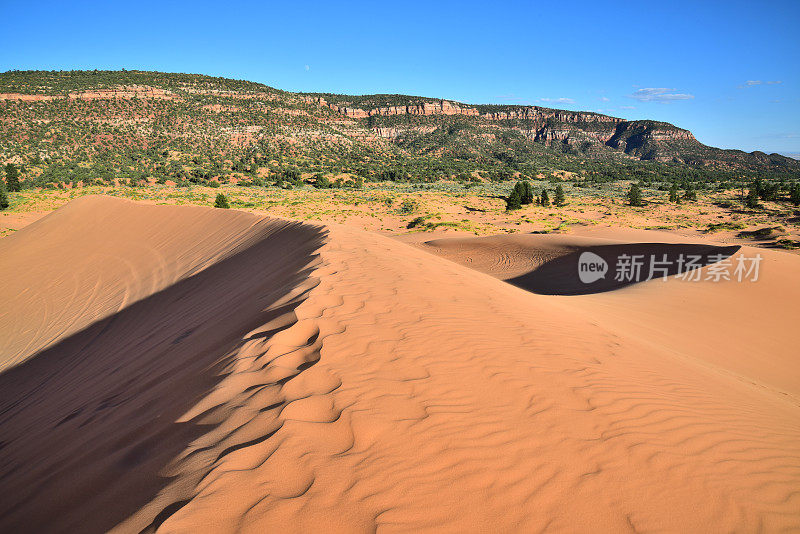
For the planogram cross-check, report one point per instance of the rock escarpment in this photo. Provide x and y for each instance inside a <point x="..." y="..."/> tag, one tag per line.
<point x="574" y="129"/>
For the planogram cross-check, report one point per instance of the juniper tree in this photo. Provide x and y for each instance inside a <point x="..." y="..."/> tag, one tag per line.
<point x="3" y="198"/>
<point x="221" y="202"/>
<point x="513" y="202"/>
<point x="634" y="195"/>
<point x="690" y="194"/>
<point x="560" y="199"/>
<point x="12" y="178"/>
<point x="673" y="193"/>
<point x="544" y="200"/>
<point x="794" y="193"/>
<point x="519" y="190"/>
<point x="527" y="193"/>
<point x="751" y="201"/>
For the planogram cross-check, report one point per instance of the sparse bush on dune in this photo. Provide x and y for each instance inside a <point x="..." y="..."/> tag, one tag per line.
<point x="415" y="222"/>
<point x="409" y="206"/>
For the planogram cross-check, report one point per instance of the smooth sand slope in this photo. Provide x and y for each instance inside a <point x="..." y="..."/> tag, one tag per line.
<point x="747" y="328"/>
<point x="393" y="390"/>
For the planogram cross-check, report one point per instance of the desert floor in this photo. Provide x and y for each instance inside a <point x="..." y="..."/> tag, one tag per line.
<point x="185" y="369"/>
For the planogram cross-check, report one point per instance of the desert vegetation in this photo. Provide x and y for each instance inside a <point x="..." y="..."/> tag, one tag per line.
<point x="175" y="137"/>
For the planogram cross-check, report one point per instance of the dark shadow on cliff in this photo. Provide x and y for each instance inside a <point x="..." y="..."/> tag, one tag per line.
<point x="560" y="276"/>
<point x="87" y="425"/>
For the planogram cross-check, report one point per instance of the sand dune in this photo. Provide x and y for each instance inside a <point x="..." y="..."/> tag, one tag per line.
<point x="393" y="390"/>
<point x="740" y="327"/>
<point x="88" y="423"/>
<point x="95" y="256"/>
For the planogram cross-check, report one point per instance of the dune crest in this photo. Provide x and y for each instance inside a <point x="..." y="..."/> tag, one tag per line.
<point x="96" y="255"/>
<point x="437" y="398"/>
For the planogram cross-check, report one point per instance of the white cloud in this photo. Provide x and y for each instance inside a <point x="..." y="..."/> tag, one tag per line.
<point x="307" y="68"/>
<point x="604" y="98"/>
<point x="627" y="107"/>
<point x="658" y="94"/>
<point x="751" y="83"/>
<point x="560" y="100"/>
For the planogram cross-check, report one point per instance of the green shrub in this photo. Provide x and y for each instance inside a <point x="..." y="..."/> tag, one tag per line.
<point x="544" y="199"/>
<point x="409" y="206"/>
<point x="751" y="201"/>
<point x="794" y="193"/>
<point x="673" y="193"/>
<point x="513" y="202"/>
<point x="415" y="222"/>
<point x="12" y="178"/>
<point x="221" y="202"/>
<point x="560" y="199"/>
<point x="634" y="195"/>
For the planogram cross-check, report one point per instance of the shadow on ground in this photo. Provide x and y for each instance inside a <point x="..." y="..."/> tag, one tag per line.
<point x="88" y="425"/>
<point x="561" y="276"/>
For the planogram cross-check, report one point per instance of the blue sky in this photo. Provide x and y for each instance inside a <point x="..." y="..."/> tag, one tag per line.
<point x="728" y="71"/>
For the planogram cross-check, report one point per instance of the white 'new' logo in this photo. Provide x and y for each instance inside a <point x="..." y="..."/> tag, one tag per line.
<point x="591" y="267"/>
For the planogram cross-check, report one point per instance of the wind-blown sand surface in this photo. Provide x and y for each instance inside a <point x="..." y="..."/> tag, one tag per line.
<point x="379" y="387"/>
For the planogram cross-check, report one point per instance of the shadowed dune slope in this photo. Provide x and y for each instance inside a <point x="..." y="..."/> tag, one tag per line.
<point x="96" y="255"/>
<point x="88" y="424"/>
<point x="396" y="391"/>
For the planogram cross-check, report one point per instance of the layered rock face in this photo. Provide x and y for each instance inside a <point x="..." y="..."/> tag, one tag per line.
<point x="120" y="92"/>
<point x="445" y="107"/>
<point x="442" y="107"/>
<point x="642" y="139"/>
<point x="650" y="139"/>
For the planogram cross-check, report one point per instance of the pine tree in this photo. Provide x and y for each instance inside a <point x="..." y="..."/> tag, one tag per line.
<point x="513" y="202"/>
<point x="12" y="178"/>
<point x="635" y="195"/>
<point x="519" y="189"/>
<point x="544" y="200"/>
<point x="527" y="193"/>
<point x="752" y="198"/>
<point x="794" y="193"/>
<point x="221" y="202"/>
<point x="560" y="199"/>
<point x="673" y="193"/>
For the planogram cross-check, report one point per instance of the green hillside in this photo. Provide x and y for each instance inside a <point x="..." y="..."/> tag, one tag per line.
<point x="111" y="126"/>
